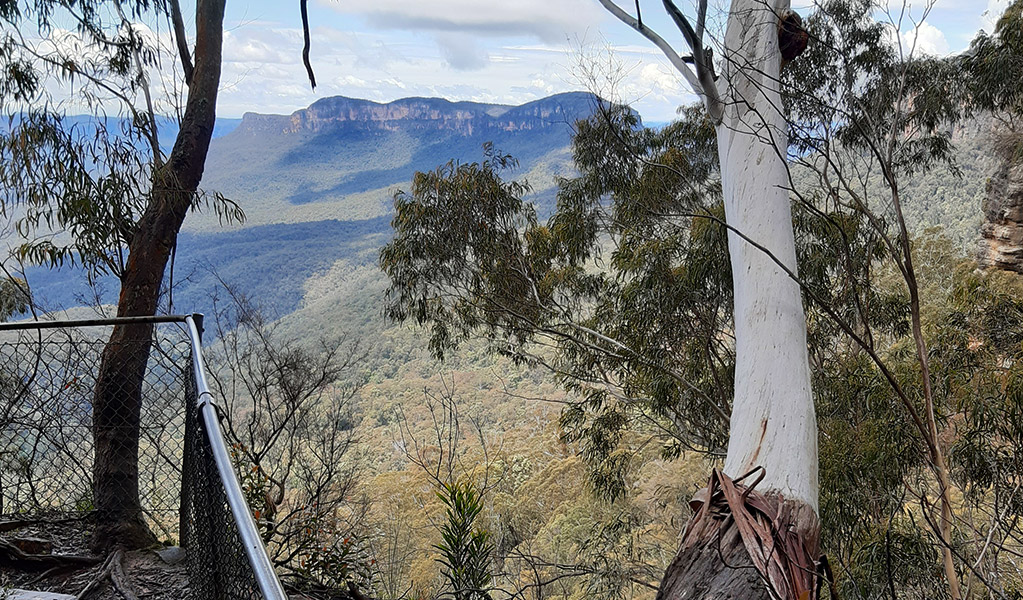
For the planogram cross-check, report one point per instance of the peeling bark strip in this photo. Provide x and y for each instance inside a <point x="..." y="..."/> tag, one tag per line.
<point x="746" y="544"/>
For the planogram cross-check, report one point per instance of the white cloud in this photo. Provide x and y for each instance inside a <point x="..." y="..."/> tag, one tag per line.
<point x="543" y="19"/>
<point x="263" y="46"/>
<point x="461" y="51"/>
<point x="994" y="11"/>
<point x="925" y="39"/>
<point x="659" y="78"/>
<point x="263" y="70"/>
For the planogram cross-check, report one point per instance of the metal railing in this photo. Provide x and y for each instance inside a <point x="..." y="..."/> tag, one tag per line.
<point x="47" y="374"/>
<point x="262" y="568"/>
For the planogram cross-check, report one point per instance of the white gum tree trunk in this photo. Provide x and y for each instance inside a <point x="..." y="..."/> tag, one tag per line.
<point x="772" y="423"/>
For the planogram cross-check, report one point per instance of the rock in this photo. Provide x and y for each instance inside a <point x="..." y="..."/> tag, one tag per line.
<point x="32" y="545"/>
<point x="338" y="113"/>
<point x="30" y="595"/>
<point x="171" y="555"/>
<point x="1002" y="232"/>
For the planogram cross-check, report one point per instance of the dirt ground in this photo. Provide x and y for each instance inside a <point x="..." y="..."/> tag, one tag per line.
<point x="148" y="575"/>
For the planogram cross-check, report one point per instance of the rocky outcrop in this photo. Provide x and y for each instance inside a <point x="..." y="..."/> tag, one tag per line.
<point x="339" y="113"/>
<point x="417" y="113"/>
<point x="1002" y="231"/>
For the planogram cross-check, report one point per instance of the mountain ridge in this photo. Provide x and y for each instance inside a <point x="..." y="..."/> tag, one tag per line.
<point x="322" y="193"/>
<point x="467" y="118"/>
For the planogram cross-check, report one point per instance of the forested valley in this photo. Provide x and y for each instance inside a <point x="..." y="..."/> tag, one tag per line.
<point x="472" y="350"/>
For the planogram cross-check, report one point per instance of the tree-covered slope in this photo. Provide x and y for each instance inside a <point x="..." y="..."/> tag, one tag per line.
<point x="317" y="185"/>
<point x="343" y="158"/>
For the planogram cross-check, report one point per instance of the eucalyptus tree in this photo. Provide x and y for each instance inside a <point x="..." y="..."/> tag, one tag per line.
<point x="625" y="294"/>
<point x="772" y="425"/>
<point x="993" y="56"/>
<point x="111" y="188"/>
<point x="103" y="193"/>
<point x="857" y="105"/>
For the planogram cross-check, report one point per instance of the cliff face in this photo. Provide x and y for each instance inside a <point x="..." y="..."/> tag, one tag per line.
<point x="422" y="114"/>
<point x="1002" y="231"/>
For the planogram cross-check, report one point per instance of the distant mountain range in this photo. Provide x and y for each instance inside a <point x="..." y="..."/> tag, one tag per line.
<point x="317" y="185"/>
<point x="340" y="115"/>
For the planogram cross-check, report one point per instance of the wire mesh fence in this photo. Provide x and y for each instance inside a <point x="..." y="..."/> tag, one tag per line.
<point x="48" y="384"/>
<point x="217" y="564"/>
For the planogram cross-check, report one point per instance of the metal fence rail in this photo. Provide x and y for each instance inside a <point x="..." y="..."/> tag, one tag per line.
<point x="188" y="486"/>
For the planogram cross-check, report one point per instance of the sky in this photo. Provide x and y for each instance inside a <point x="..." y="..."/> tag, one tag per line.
<point x="499" y="51"/>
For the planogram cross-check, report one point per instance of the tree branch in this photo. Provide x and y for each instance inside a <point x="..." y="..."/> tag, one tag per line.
<point x="151" y="133"/>
<point x="703" y="58"/>
<point x="702" y="81"/>
<point x="695" y="43"/>
<point x="305" y="47"/>
<point x="676" y="61"/>
<point x="182" y="41"/>
<point x="701" y="19"/>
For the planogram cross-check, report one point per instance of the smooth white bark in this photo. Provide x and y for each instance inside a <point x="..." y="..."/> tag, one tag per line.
<point x="772" y="422"/>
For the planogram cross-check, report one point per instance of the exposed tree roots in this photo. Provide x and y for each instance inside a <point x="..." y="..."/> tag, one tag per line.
<point x="744" y="545"/>
<point x="113" y="569"/>
<point x="12" y="556"/>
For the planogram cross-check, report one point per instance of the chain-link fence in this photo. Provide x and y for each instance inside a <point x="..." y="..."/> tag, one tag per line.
<point x="47" y="389"/>
<point x="47" y="385"/>
<point x="217" y="565"/>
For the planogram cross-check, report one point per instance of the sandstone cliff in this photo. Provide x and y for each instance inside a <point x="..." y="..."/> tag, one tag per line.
<point x="422" y="114"/>
<point x="1002" y="231"/>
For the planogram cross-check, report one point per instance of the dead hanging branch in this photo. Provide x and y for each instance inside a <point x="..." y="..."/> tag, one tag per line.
<point x="305" y="47"/>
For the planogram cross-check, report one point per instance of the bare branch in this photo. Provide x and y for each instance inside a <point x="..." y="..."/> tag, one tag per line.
<point x="695" y="43"/>
<point x="676" y="61"/>
<point x="702" y="81"/>
<point x="703" y="58"/>
<point x="305" y="48"/>
<point x="182" y="41"/>
<point x="701" y="19"/>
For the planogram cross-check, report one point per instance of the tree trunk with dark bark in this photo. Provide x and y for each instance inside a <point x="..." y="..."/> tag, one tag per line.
<point x="118" y="397"/>
<point x="746" y="545"/>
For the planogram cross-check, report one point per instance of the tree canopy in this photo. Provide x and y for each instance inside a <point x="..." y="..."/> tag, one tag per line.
<point x="624" y="293"/>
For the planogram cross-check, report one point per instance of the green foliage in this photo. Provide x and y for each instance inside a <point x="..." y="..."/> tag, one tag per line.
<point x="983" y="346"/>
<point x="14" y="297"/>
<point x="469" y="257"/>
<point x="45" y="169"/>
<point x="853" y="91"/>
<point x="625" y="294"/>
<point x="466" y="549"/>
<point x="994" y="59"/>
<point x="875" y="479"/>
<point x="461" y="227"/>
<point x="90" y="180"/>
<point x="894" y="554"/>
<point x="78" y="186"/>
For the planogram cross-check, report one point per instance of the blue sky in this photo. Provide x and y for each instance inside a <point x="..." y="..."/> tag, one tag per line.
<point x="485" y="50"/>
